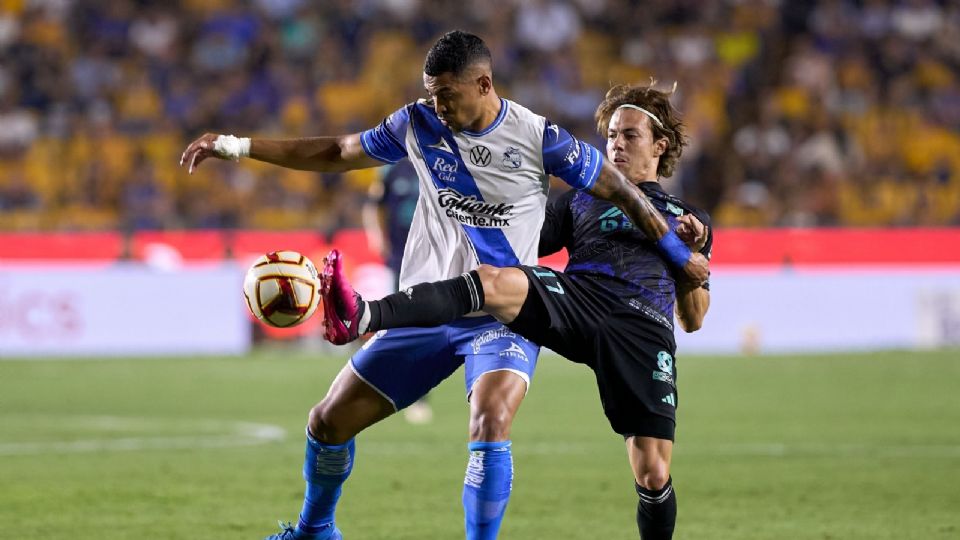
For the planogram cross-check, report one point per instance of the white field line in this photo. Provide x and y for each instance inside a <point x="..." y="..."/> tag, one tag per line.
<point x="747" y="449"/>
<point x="200" y="434"/>
<point x="106" y="434"/>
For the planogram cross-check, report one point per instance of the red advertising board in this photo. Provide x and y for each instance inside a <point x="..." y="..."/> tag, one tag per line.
<point x="731" y="246"/>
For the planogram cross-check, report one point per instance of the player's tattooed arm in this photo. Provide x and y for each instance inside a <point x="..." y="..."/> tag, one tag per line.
<point x="322" y="154"/>
<point x="613" y="186"/>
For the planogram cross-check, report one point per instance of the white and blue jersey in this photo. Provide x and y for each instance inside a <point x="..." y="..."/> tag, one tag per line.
<point x="482" y="201"/>
<point x="482" y="194"/>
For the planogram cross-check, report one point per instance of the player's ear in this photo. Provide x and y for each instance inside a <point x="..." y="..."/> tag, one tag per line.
<point x="660" y="146"/>
<point x="484" y="83"/>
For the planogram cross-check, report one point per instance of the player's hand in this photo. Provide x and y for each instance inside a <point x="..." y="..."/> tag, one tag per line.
<point x="692" y="231"/>
<point x="697" y="269"/>
<point x="199" y="150"/>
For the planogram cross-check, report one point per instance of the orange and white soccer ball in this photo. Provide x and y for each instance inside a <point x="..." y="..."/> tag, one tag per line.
<point x="282" y="288"/>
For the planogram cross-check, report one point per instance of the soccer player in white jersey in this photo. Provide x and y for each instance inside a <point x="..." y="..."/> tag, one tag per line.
<point x="483" y="164"/>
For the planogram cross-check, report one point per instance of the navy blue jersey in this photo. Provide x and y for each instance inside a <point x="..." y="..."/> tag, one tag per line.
<point x="604" y="245"/>
<point x="398" y="201"/>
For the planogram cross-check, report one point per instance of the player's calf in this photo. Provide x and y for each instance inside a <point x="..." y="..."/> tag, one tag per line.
<point x="657" y="505"/>
<point x="656" y="512"/>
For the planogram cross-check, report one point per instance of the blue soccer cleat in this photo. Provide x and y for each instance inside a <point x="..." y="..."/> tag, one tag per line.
<point x="290" y="532"/>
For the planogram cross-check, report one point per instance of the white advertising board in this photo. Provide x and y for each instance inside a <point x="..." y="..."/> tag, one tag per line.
<point x="121" y="310"/>
<point x="62" y="310"/>
<point x="828" y="309"/>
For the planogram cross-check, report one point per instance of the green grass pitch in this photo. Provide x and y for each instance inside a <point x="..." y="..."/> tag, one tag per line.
<point x="863" y="446"/>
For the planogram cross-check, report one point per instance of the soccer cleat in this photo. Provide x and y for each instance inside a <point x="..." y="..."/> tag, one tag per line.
<point x="342" y="306"/>
<point x="289" y="532"/>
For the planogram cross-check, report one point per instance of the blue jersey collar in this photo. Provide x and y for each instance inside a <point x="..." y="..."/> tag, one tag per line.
<point x="500" y="116"/>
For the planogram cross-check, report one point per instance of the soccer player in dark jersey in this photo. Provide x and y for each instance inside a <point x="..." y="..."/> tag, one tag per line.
<point x="613" y="307"/>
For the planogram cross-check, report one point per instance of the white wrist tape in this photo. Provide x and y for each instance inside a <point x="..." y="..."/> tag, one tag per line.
<point x="230" y="147"/>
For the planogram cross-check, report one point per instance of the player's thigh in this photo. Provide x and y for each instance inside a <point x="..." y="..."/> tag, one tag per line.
<point x="559" y="313"/>
<point x="650" y="459"/>
<point x="403" y="364"/>
<point x="350" y="406"/>
<point x="494" y="401"/>
<point x="636" y="379"/>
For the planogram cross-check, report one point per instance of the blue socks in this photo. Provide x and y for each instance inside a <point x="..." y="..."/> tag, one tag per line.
<point x="325" y="468"/>
<point x="486" y="488"/>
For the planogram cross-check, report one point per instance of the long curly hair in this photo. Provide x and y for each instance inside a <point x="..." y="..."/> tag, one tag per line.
<point x="658" y="103"/>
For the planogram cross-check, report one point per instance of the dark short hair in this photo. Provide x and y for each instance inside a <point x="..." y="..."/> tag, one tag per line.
<point x="455" y="52"/>
<point x="658" y="103"/>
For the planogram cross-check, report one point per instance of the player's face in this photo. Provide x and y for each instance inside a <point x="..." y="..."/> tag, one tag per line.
<point x="457" y="101"/>
<point x="631" y="146"/>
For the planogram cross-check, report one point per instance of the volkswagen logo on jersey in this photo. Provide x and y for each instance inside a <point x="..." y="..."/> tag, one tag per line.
<point x="480" y="156"/>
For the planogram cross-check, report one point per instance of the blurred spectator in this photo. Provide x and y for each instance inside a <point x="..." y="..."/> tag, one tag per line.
<point x="16" y="193"/>
<point x="830" y="112"/>
<point x="20" y="126"/>
<point x="145" y="203"/>
<point x="546" y="26"/>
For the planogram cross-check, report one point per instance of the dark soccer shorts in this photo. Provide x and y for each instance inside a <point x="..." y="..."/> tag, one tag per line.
<point x="631" y="356"/>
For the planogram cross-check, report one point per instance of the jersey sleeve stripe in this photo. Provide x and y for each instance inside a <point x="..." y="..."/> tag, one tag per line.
<point x="556" y="147"/>
<point x="393" y="138"/>
<point x="368" y="148"/>
<point x="596" y="160"/>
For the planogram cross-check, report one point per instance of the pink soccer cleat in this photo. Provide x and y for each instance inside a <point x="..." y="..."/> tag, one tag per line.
<point x="342" y="306"/>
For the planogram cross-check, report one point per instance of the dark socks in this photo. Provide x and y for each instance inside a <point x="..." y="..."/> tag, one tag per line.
<point x="657" y="512"/>
<point x="427" y="304"/>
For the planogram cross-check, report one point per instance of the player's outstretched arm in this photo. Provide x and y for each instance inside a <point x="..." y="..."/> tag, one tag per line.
<point x="322" y="154"/>
<point x="613" y="186"/>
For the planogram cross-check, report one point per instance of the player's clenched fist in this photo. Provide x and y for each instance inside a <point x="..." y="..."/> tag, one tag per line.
<point x="692" y="231"/>
<point x="218" y="146"/>
<point x="697" y="269"/>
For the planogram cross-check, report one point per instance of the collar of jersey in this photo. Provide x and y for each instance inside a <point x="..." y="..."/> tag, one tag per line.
<point x="651" y="184"/>
<point x="493" y="126"/>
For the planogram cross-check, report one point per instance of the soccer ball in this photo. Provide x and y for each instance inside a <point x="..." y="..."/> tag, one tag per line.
<point x="282" y="288"/>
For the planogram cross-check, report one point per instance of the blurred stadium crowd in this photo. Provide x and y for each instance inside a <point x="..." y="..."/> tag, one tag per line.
<point x="836" y="112"/>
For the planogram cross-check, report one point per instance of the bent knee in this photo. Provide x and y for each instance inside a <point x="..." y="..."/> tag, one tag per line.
<point x="654" y="476"/>
<point x="490" y="281"/>
<point x="492" y="424"/>
<point x="487" y="273"/>
<point x="324" y="426"/>
<point x="502" y="286"/>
